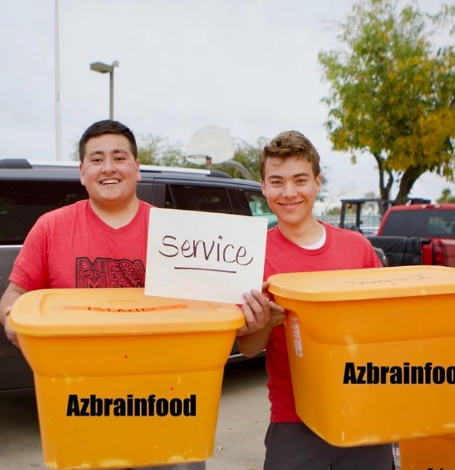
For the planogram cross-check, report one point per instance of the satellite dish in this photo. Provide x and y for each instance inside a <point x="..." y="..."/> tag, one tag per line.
<point x="211" y="143"/>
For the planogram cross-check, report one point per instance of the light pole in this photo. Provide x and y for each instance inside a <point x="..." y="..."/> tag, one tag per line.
<point x="58" y="129"/>
<point x="105" y="68"/>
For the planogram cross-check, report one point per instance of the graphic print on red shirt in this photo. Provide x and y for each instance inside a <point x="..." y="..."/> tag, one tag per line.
<point x="108" y="272"/>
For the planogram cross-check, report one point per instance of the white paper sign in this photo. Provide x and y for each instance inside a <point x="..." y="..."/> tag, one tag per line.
<point x="204" y="256"/>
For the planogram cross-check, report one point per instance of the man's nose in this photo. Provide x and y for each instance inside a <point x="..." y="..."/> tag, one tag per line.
<point x="289" y="190"/>
<point x="108" y="165"/>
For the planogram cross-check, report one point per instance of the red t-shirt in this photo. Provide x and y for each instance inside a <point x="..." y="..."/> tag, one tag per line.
<point x="343" y="249"/>
<point x="72" y="247"/>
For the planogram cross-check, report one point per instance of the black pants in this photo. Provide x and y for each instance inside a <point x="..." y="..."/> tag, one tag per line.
<point x="293" y="446"/>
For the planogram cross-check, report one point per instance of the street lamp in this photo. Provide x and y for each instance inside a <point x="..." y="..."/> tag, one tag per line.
<point x="105" y="68"/>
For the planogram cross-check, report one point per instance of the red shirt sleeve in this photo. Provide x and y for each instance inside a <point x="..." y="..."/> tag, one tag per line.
<point x="30" y="267"/>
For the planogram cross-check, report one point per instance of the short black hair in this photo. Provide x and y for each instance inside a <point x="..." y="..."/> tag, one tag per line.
<point x="107" y="126"/>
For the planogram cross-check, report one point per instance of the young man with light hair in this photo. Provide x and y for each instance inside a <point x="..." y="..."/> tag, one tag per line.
<point x="291" y="181"/>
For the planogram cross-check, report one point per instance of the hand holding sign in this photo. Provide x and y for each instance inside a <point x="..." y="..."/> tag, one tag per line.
<point x="260" y="311"/>
<point x="204" y="256"/>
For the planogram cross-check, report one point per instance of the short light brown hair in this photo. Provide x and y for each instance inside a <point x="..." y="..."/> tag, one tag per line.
<point x="290" y="144"/>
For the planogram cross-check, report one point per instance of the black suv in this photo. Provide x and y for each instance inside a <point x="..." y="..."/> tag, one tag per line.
<point x="29" y="189"/>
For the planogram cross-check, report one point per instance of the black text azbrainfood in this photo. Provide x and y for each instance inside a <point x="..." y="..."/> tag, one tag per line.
<point x="130" y="406"/>
<point x="405" y="374"/>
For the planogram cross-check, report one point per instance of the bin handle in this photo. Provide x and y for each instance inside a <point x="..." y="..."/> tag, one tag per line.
<point x="125" y="309"/>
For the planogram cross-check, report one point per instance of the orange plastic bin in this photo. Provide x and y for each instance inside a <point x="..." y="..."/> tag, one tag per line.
<point x="379" y="323"/>
<point x="424" y="454"/>
<point x="124" y="380"/>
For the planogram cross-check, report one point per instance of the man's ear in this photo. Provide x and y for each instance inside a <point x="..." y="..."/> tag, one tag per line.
<point x="138" y="174"/>
<point x="81" y="174"/>
<point x="319" y="182"/>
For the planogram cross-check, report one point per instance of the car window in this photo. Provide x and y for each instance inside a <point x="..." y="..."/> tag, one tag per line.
<point x="198" y="198"/>
<point x="432" y="223"/>
<point x="259" y="207"/>
<point x="442" y="225"/>
<point x="21" y="203"/>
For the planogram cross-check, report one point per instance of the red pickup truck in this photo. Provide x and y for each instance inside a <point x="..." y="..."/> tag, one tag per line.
<point x="413" y="234"/>
<point x="434" y="224"/>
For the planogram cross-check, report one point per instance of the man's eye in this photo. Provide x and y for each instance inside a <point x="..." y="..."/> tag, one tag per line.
<point x="301" y="181"/>
<point x="275" y="183"/>
<point x="96" y="160"/>
<point x="120" y="158"/>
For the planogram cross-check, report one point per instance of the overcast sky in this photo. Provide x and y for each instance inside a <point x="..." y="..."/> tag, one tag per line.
<point x="248" y="66"/>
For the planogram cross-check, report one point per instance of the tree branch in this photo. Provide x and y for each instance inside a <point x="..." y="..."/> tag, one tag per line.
<point x="410" y="176"/>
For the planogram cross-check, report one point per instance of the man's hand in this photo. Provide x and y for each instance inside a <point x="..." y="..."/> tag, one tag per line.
<point x="277" y="314"/>
<point x="260" y="311"/>
<point x="10" y="333"/>
<point x="12" y="292"/>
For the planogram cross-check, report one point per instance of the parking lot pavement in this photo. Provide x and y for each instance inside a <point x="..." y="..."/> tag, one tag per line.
<point x="242" y="422"/>
<point x="20" y="446"/>
<point x="243" y="418"/>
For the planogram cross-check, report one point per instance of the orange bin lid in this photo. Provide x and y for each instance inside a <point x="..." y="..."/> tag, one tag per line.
<point x="79" y="312"/>
<point x="362" y="284"/>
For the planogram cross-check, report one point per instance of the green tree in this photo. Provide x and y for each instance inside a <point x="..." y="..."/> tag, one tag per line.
<point x="446" y="196"/>
<point x="392" y="92"/>
<point x="148" y="150"/>
<point x="157" y="150"/>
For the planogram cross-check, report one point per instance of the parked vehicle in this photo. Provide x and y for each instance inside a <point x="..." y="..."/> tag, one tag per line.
<point x="416" y="233"/>
<point x="428" y="227"/>
<point x="29" y="189"/>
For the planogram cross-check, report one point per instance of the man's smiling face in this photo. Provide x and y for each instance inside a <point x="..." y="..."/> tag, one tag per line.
<point x="109" y="171"/>
<point x="290" y="188"/>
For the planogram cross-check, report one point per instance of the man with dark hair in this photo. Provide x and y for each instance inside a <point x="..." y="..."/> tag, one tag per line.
<point x="291" y="180"/>
<point x="102" y="241"/>
<point x="93" y="238"/>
